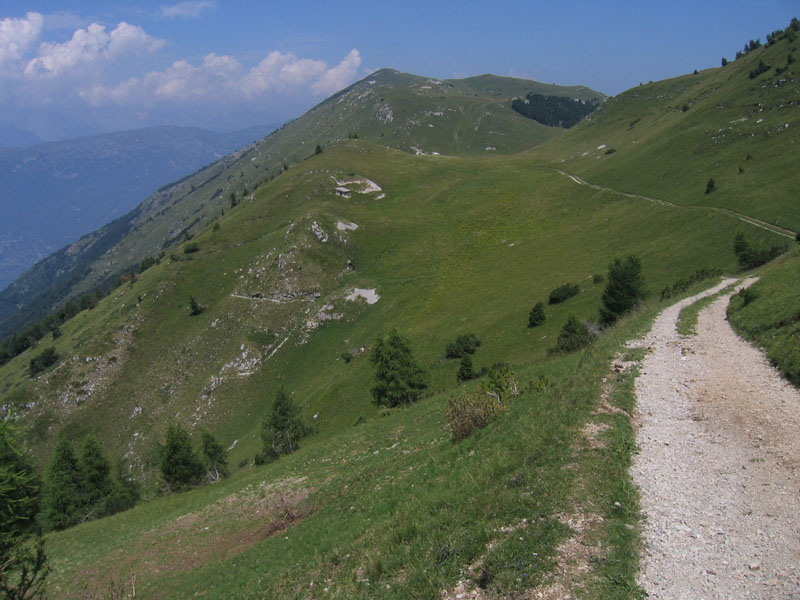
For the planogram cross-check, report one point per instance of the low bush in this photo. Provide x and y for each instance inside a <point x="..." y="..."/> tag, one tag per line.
<point x="46" y="359"/>
<point x="191" y="248"/>
<point x="464" y="344"/>
<point x="564" y="292"/>
<point x="747" y="295"/>
<point x="574" y="336"/>
<point x="471" y="411"/>
<point x="750" y="256"/>
<point x="683" y="284"/>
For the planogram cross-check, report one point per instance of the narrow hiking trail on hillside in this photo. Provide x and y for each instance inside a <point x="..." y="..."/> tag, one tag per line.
<point x="719" y="463"/>
<point x="782" y="231"/>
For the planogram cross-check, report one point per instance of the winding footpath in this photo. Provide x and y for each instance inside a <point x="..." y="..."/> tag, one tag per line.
<point x="719" y="464"/>
<point x="781" y="231"/>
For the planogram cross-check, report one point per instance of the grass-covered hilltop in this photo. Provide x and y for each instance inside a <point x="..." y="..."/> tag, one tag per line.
<point x="370" y="356"/>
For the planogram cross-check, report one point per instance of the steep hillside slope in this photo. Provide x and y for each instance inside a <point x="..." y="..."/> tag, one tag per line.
<point x="56" y="192"/>
<point x="415" y="114"/>
<point x="279" y="283"/>
<point x="669" y="138"/>
<point x="276" y="277"/>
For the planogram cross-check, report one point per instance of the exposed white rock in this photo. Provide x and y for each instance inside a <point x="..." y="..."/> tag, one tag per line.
<point x="370" y="295"/>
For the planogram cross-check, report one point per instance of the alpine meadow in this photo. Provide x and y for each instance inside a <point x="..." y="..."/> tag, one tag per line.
<point x="375" y="353"/>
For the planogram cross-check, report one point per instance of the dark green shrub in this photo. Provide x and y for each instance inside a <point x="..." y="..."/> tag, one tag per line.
<point x="747" y="295"/>
<point x="194" y="307"/>
<point x="711" y="186"/>
<point x="191" y="248"/>
<point x="598" y="278"/>
<point x="574" y="335"/>
<point x="464" y="344"/>
<point x="536" y="316"/>
<point x="750" y="256"/>
<point x="624" y="289"/>
<point x="761" y="68"/>
<point x="683" y="284"/>
<point x="563" y="292"/>
<point x="46" y="359"/>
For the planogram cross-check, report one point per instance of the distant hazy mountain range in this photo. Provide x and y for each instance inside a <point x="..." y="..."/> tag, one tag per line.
<point x="53" y="193"/>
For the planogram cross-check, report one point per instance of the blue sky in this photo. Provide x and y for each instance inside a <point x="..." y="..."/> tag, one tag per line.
<point x="73" y="68"/>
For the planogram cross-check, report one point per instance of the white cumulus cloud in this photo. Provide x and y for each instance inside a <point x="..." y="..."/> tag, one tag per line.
<point x="222" y="78"/>
<point x="188" y="10"/>
<point x="339" y="76"/>
<point x="89" y="45"/>
<point x="17" y="35"/>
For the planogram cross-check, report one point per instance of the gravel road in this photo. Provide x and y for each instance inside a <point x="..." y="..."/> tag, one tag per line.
<point x="719" y="466"/>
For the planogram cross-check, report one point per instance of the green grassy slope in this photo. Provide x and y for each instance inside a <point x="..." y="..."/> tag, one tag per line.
<point x="381" y="503"/>
<point x="456" y="244"/>
<point x="769" y="314"/>
<point x="412" y="113"/>
<point x="670" y="137"/>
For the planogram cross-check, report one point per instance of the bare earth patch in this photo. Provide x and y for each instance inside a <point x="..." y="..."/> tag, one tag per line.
<point x="719" y="433"/>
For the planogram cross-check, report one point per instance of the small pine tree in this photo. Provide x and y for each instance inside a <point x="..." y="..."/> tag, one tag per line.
<point x="624" y="289"/>
<point x="180" y="465"/>
<point x="97" y="484"/>
<point x="215" y="455"/>
<point x="465" y="370"/>
<point x="23" y="563"/>
<point x="536" y="316"/>
<point x="194" y="307"/>
<point x="318" y="149"/>
<point x="711" y="186"/>
<point x="282" y="430"/>
<point x="398" y="377"/>
<point x="63" y="498"/>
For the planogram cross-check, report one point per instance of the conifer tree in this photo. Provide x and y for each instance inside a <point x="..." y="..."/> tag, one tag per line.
<point x="624" y="289"/>
<point x="465" y="369"/>
<point x="62" y="503"/>
<point x="282" y="429"/>
<point x="23" y="563"/>
<point x="215" y="455"/>
<point x="96" y="477"/>
<point x="180" y="465"/>
<point x="398" y="377"/>
<point x="536" y="316"/>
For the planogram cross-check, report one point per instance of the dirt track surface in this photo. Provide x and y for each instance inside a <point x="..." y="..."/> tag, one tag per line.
<point x="719" y="466"/>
